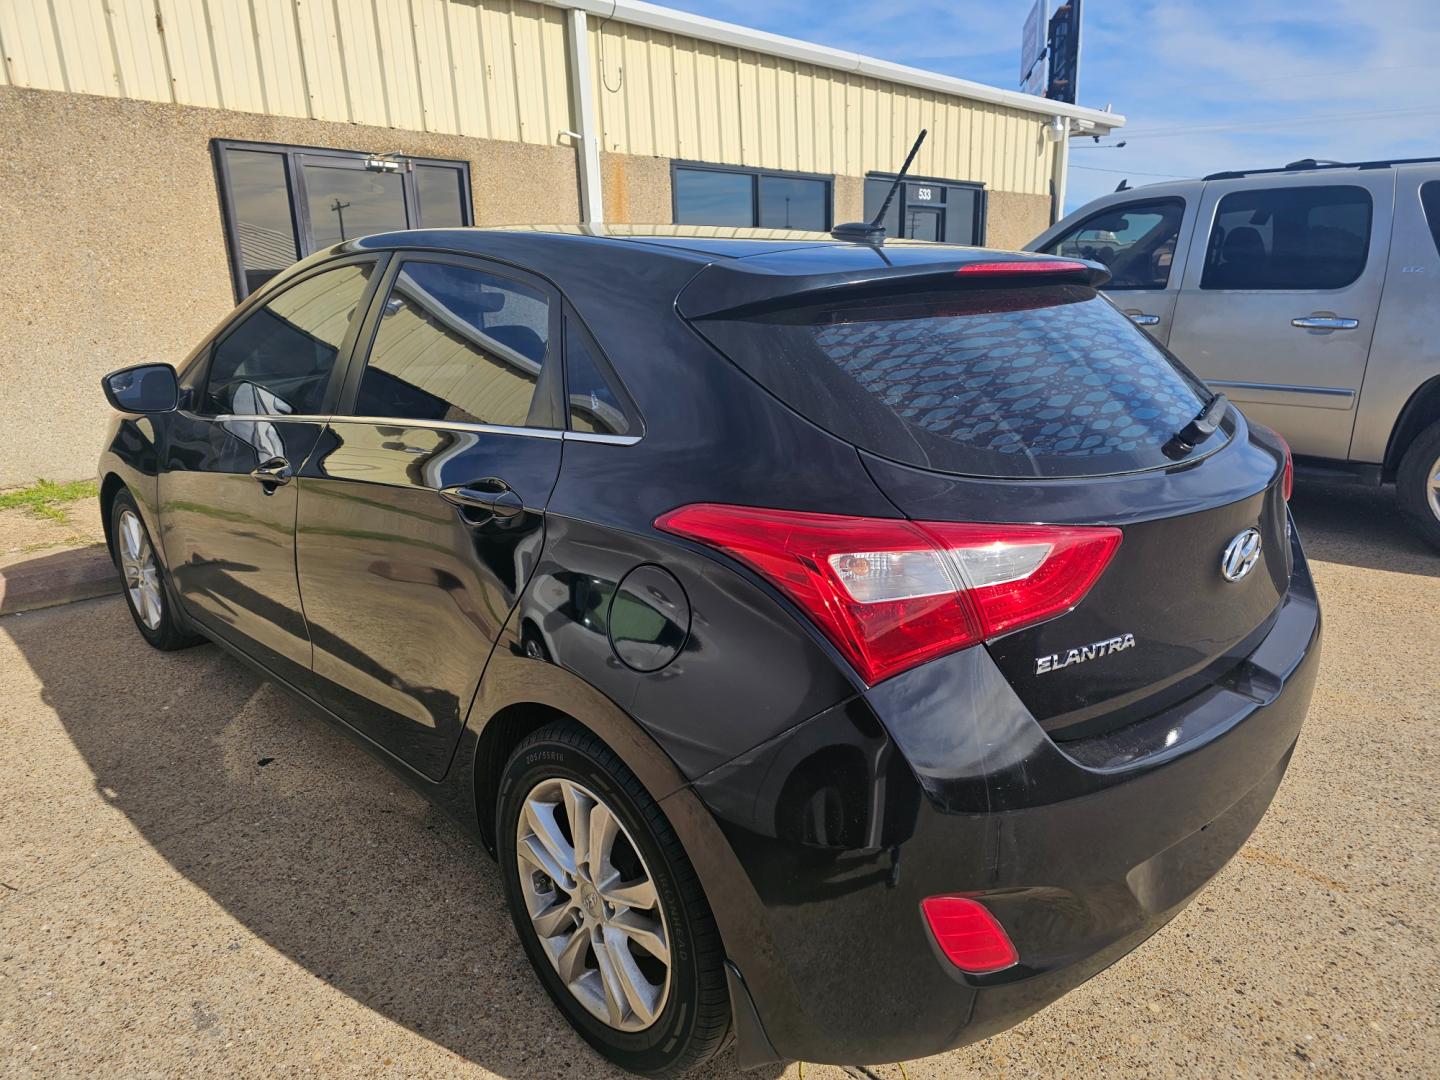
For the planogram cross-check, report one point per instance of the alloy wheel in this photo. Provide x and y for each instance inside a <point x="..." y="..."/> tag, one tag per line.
<point x="141" y="574"/>
<point x="1432" y="488"/>
<point x="594" y="905"/>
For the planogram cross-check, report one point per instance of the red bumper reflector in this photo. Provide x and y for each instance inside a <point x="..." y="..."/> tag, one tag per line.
<point x="968" y="934"/>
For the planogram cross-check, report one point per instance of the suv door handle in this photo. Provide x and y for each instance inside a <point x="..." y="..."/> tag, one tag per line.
<point x="272" y="473"/>
<point x="1139" y="318"/>
<point x="1324" y="322"/>
<point x="492" y="495"/>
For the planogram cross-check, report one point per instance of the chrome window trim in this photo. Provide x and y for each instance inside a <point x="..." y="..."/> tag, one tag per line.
<point x="451" y="425"/>
<point x="435" y="425"/>
<point x="600" y="437"/>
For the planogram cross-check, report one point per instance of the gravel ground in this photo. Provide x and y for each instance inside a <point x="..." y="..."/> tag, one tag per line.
<point x="198" y="877"/>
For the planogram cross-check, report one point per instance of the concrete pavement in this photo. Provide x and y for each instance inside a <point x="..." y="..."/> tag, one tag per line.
<point x="199" y="876"/>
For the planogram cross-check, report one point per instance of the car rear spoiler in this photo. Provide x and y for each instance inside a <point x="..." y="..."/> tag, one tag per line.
<point x="764" y="283"/>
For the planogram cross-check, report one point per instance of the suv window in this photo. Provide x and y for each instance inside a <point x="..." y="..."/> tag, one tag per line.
<point x="1014" y="381"/>
<point x="1135" y="241"/>
<point x="1288" y="238"/>
<point x="278" y="360"/>
<point x="456" y="343"/>
<point x="1430" y="201"/>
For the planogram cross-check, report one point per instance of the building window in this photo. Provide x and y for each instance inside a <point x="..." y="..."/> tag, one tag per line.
<point x="949" y="211"/>
<point x="283" y="202"/>
<point x="715" y="195"/>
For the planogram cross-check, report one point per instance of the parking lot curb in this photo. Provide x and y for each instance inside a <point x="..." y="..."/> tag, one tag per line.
<point x="58" y="577"/>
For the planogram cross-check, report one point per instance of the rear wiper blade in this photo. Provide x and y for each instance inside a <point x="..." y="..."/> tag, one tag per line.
<point x="1206" y="423"/>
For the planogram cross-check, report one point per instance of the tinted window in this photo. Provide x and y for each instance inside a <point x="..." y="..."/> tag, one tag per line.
<point x="748" y="199"/>
<point x="441" y="204"/>
<point x="788" y="202"/>
<point x="1430" y="200"/>
<point x="278" y="360"/>
<point x="1288" y="238"/>
<point x="456" y="343"/>
<point x="705" y="197"/>
<point x="334" y="193"/>
<point x="595" y="405"/>
<point x="346" y="203"/>
<point x="1136" y="241"/>
<point x="1036" y="381"/>
<point x="264" y="231"/>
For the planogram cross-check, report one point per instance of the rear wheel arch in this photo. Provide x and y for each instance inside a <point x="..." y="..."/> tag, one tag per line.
<point x="1422" y="410"/>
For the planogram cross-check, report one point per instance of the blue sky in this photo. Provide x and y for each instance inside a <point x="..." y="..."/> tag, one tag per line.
<point x="1203" y="86"/>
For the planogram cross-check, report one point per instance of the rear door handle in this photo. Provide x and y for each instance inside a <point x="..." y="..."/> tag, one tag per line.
<point x="490" y="495"/>
<point x="1139" y="318"/>
<point x="1324" y="322"/>
<point x="273" y="473"/>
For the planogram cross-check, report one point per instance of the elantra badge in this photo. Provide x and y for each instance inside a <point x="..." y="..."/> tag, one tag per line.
<point x="1241" y="555"/>
<point x="1093" y="651"/>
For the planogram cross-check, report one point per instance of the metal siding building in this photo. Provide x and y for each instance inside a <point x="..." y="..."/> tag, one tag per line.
<point x="118" y="196"/>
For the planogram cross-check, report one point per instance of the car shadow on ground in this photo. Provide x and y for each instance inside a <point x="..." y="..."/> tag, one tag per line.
<point x="303" y="838"/>
<point x="1361" y="527"/>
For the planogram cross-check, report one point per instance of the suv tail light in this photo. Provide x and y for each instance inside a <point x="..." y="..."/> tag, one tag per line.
<point x="891" y="593"/>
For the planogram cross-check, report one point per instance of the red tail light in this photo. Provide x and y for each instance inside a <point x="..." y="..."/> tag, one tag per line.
<point x="1287" y="481"/>
<point x="968" y="935"/>
<point x="890" y="593"/>
<point x="1287" y="478"/>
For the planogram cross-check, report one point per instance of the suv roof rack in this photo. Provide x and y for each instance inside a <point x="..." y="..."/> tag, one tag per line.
<point x="1311" y="164"/>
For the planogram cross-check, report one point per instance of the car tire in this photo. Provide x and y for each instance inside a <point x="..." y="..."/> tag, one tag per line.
<point x="1418" y="483"/>
<point x="591" y="960"/>
<point x="143" y="580"/>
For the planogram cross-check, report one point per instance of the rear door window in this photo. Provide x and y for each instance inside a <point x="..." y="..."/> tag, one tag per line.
<point x="1030" y="381"/>
<point x="457" y="343"/>
<point x="1136" y="242"/>
<point x="1290" y="238"/>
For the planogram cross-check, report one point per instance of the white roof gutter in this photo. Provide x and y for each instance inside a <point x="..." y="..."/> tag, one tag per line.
<point x="655" y="17"/>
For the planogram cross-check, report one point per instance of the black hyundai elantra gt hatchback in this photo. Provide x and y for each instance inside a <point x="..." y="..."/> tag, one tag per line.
<point x="851" y="648"/>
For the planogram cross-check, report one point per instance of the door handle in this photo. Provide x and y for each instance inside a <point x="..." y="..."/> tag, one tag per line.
<point x="1324" y="322"/>
<point x="1139" y="318"/>
<point x="273" y="473"/>
<point x="491" y="495"/>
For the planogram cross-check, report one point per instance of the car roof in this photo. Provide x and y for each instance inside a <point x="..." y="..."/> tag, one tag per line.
<point x="694" y="243"/>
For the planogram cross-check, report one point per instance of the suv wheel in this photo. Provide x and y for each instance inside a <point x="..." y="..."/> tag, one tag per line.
<point x="143" y="579"/>
<point x="1418" y="483"/>
<point x="607" y="905"/>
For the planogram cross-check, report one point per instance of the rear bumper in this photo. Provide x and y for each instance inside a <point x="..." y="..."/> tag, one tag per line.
<point x="939" y="781"/>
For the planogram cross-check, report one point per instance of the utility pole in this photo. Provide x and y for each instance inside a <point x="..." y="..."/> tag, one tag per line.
<point x="339" y="208"/>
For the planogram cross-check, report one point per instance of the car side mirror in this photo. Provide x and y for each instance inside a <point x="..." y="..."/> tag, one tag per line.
<point x="144" y="388"/>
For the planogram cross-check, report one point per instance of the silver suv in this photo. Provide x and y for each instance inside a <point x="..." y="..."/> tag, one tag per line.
<point x="1310" y="295"/>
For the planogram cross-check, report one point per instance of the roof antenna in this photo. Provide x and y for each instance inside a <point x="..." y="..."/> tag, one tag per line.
<point x="873" y="232"/>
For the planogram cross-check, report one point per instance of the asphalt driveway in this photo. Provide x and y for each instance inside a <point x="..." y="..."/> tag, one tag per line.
<point x="199" y="877"/>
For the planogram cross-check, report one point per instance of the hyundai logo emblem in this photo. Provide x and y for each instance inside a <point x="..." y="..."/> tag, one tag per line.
<point x="1241" y="555"/>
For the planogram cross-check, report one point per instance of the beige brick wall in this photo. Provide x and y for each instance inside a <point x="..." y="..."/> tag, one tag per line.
<point x="114" y="253"/>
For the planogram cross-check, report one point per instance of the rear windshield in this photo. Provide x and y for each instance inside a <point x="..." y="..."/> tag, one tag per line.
<point x="1030" y="381"/>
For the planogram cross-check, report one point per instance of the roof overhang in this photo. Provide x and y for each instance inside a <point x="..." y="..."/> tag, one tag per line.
<point x="1082" y="121"/>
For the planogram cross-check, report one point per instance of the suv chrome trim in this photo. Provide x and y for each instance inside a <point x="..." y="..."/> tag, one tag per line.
<point x="1288" y="388"/>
